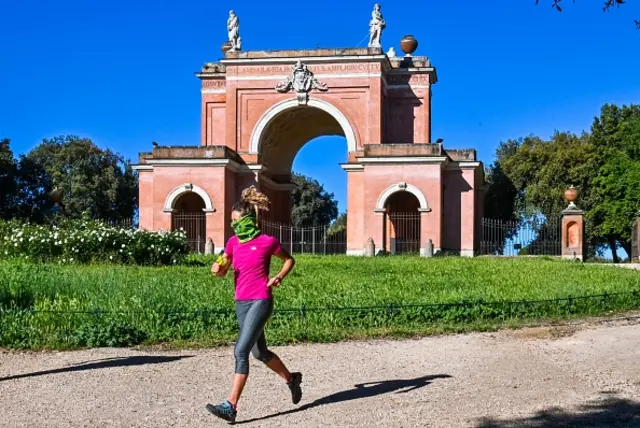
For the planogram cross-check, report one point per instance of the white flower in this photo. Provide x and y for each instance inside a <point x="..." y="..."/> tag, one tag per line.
<point x="123" y="245"/>
<point x="110" y="257"/>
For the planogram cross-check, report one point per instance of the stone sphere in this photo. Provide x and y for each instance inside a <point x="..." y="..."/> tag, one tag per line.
<point x="571" y="194"/>
<point x="408" y="44"/>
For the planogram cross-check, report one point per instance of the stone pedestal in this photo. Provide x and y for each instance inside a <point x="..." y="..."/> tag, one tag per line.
<point x="573" y="242"/>
<point x="635" y="240"/>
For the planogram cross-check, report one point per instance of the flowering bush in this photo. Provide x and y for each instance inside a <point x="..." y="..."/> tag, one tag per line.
<point x="84" y="241"/>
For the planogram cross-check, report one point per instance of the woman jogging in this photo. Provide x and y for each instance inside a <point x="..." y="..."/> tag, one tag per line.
<point x="250" y="252"/>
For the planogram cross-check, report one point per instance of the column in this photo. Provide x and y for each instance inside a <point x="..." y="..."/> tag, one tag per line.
<point x="635" y="239"/>
<point x="573" y="242"/>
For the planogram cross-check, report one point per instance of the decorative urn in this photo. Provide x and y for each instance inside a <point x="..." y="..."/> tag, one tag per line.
<point x="571" y="195"/>
<point x="408" y="44"/>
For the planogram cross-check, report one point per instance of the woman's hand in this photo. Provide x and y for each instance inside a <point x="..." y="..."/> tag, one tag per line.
<point x="218" y="270"/>
<point x="274" y="282"/>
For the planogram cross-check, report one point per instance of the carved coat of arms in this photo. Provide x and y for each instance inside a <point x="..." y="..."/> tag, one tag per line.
<point x="302" y="82"/>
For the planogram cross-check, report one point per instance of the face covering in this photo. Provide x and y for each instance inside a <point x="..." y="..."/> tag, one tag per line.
<point x="245" y="228"/>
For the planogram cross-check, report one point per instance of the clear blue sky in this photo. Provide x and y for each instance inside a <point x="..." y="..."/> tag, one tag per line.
<point x="121" y="72"/>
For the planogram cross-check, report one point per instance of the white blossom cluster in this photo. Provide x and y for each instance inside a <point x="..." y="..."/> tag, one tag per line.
<point x="88" y="241"/>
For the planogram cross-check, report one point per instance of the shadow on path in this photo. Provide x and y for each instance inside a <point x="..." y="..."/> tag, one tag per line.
<point x="360" y="391"/>
<point x="607" y="412"/>
<point x="102" y="364"/>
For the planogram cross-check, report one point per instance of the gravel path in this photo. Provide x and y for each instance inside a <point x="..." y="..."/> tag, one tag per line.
<point x="538" y="377"/>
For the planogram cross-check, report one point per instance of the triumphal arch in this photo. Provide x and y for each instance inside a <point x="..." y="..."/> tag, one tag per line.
<point x="260" y="107"/>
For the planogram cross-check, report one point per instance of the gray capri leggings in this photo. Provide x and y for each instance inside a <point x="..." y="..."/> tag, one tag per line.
<point x="252" y="317"/>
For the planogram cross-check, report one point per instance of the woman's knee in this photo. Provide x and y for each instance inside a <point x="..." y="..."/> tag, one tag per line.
<point x="263" y="355"/>
<point x="242" y="361"/>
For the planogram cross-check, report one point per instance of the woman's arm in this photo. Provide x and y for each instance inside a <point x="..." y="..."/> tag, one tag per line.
<point x="288" y="265"/>
<point x="221" y="270"/>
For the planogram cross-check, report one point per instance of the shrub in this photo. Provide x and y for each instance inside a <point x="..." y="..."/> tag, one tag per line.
<point x="85" y="241"/>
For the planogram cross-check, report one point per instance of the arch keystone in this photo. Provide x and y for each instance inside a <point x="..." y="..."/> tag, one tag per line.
<point x="174" y="195"/>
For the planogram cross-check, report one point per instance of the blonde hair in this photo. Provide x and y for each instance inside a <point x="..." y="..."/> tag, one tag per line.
<point x="251" y="200"/>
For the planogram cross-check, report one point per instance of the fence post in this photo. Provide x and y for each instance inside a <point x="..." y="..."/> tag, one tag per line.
<point x="635" y="239"/>
<point x="313" y="240"/>
<point x="370" y="248"/>
<point x="428" y="248"/>
<point x="324" y="240"/>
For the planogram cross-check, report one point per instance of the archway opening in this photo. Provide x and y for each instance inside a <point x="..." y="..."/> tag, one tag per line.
<point x="316" y="141"/>
<point x="402" y="223"/>
<point x="188" y="214"/>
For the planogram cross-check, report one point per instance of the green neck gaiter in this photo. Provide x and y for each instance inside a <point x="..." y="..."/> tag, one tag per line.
<point x="245" y="228"/>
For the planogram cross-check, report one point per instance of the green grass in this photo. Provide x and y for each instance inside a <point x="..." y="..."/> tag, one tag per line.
<point x="62" y="306"/>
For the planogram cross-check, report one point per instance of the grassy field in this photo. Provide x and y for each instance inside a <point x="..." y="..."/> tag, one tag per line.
<point x="65" y="306"/>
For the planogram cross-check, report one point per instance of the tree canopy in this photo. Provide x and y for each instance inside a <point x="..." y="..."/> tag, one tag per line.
<point x="94" y="181"/>
<point x="530" y="176"/>
<point x="312" y="205"/>
<point x="8" y="182"/>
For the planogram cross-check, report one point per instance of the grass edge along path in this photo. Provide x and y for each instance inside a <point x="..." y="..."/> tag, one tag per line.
<point x="330" y="299"/>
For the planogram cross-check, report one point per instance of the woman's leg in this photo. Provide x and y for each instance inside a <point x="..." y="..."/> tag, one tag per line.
<point x="252" y="317"/>
<point x="271" y="360"/>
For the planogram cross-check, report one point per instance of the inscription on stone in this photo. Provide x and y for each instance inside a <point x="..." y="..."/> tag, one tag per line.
<point x="213" y="84"/>
<point x="320" y="68"/>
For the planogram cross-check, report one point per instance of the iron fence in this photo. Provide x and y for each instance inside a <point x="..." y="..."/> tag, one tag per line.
<point x="125" y="223"/>
<point x="403" y="230"/>
<point x="195" y="225"/>
<point x="532" y="237"/>
<point x="308" y="240"/>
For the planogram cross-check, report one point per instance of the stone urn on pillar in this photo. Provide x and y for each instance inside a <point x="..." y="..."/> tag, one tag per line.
<point x="571" y="195"/>
<point x="573" y="242"/>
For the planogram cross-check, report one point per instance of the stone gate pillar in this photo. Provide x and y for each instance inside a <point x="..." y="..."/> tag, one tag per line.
<point x="635" y="239"/>
<point x="573" y="242"/>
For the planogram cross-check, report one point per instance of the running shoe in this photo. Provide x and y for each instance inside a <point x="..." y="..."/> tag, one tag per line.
<point x="294" y="387"/>
<point x="224" y="411"/>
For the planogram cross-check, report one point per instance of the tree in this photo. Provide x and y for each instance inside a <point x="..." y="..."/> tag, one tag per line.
<point x="339" y="225"/>
<point x="604" y="165"/>
<point x="616" y="137"/>
<point x="540" y="171"/>
<point x="608" y="5"/>
<point x="312" y="205"/>
<point x="8" y="177"/>
<point x="94" y="181"/>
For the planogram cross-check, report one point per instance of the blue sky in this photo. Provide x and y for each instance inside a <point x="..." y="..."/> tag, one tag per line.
<point x="121" y="72"/>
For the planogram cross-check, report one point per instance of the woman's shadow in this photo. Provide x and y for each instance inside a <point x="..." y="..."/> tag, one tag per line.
<point x="359" y="391"/>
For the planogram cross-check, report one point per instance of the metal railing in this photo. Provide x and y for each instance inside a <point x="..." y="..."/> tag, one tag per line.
<point x="195" y="225"/>
<point x="308" y="240"/>
<point x="531" y="237"/>
<point x="403" y="230"/>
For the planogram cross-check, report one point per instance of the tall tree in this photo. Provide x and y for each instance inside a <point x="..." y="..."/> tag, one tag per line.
<point x="311" y="204"/>
<point x="95" y="181"/>
<point x="8" y="177"/>
<point x="540" y="171"/>
<point x="616" y="184"/>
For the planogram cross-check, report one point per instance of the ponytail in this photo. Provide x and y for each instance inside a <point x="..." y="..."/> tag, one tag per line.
<point x="251" y="202"/>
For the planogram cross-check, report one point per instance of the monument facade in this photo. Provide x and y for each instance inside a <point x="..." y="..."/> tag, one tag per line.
<point x="260" y="107"/>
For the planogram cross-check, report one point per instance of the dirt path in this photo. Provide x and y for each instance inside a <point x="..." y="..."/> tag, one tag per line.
<point x="588" y="378"/>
